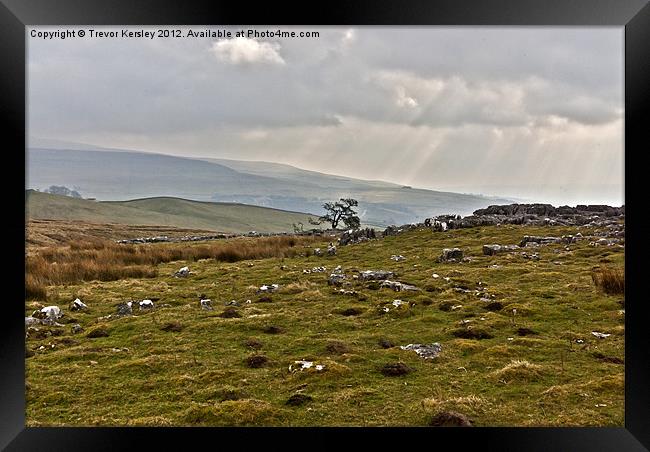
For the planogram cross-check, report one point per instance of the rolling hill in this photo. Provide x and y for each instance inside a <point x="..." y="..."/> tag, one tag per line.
<point x="163" y="211"/>
<point x="122" y="175"/>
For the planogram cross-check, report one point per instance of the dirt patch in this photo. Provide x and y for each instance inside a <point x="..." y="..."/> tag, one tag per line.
<point x="230" y="394"/>
<point x="607" y="359"/>
<point x="272" y="329"/>
<point x="385" y="343"/>
<point x="256" y="361"/>
<point x="172" y="326"/>
<point x="525" y="332"/>
<point x="450" y="419"/>
<point x="299" y="400"/>
<point x="445" y="306"/>
<point x="494" y="306"/>
<point x="337" y="347"/>
<point x="351" y="311"/>
<point x="98" y="332"/>
<point x="395" y="369"/>
<point x="471" y="333"/>
<point x="67" y="341"/>
<point x="253" y="343"/>
<point x="230" y="313"/>
<point x="265" y="299"/>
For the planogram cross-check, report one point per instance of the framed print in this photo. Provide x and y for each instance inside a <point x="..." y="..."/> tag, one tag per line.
<point x="374" y="221"/>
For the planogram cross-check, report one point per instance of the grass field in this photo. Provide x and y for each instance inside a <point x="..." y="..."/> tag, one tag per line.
<point x="528" y="360"/>
<point x="164" y="211"/>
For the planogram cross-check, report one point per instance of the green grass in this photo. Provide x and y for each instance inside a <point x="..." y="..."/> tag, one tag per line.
<point x="199" y="375"/>
<point x="163" y="211"/>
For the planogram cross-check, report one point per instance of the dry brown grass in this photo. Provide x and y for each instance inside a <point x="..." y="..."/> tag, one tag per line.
<point x="610" y="280"/>
<point x="519" y="370"/>
<point x="103" y="260"/>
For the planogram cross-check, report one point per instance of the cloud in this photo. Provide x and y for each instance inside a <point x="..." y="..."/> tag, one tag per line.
<point x="349" y="36"/>
<point x="247" y="51"/>
<point x="476" y="105"/>
<point x="403" y="100"/>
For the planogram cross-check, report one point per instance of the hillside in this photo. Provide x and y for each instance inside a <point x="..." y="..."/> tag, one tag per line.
<point x="526" y="337"/>
<point x="163" y="211"/>
<point x="122" y="175"/>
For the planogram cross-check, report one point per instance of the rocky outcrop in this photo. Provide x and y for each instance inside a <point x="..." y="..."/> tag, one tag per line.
<point x="357" y="236"/>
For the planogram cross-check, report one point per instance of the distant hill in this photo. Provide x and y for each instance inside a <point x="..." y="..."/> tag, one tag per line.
<point x="163" y="211"/>
<point x="122" y="175"/>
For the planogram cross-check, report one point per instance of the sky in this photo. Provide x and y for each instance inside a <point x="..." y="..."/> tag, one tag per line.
<point x="533" y="113"/>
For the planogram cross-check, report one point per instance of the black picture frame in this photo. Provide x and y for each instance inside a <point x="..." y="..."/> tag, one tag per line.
<point x="633" y="15"/>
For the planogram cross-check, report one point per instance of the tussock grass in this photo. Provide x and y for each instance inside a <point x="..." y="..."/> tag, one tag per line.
<point x="520" y="370"/>
<point x="103" y="260"/>
<point x="610" y="280"/>
<point x="245" y="412"/>
<point x="469" y="403"/>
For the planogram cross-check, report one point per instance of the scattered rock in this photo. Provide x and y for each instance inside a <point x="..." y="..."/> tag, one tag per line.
<point x="76" y="329"/>
<point x="268" y="288"/>
<point x="331" y="250"/>
<point x="182" y="273"/>
<point x="491" y="250"/>
<point x="302" y="365"/>
<point x="378" y="275"/>
<point x="426" y="351"/>
<point x="256" y="361"/>
<point x="450" y="419"/>
<point x="49" y="315"/>
<point x="30" y="321"/>
<point x="298" y="400"/>
<point x="315" y="270"/>
<point x="336" y="279"/>
<point x="206" y="304"/>
<point x="395" y="369"/>
<point x="539" y="240"/>
<point x="232" y="303"/>
<point x="600" y="335"/>
<point x="397" y="258"/>
<point x="532" y="256"/>
<point x="318" y="252"/>
<point x="146" y="305"/>
<point x="125" y="308"/>
<point x="78" y="305"/>
<point x="398" y="286"/>
<point x="230" y="313"/>
<point x="357" y="236"/>
<point x="451" y="255"/>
